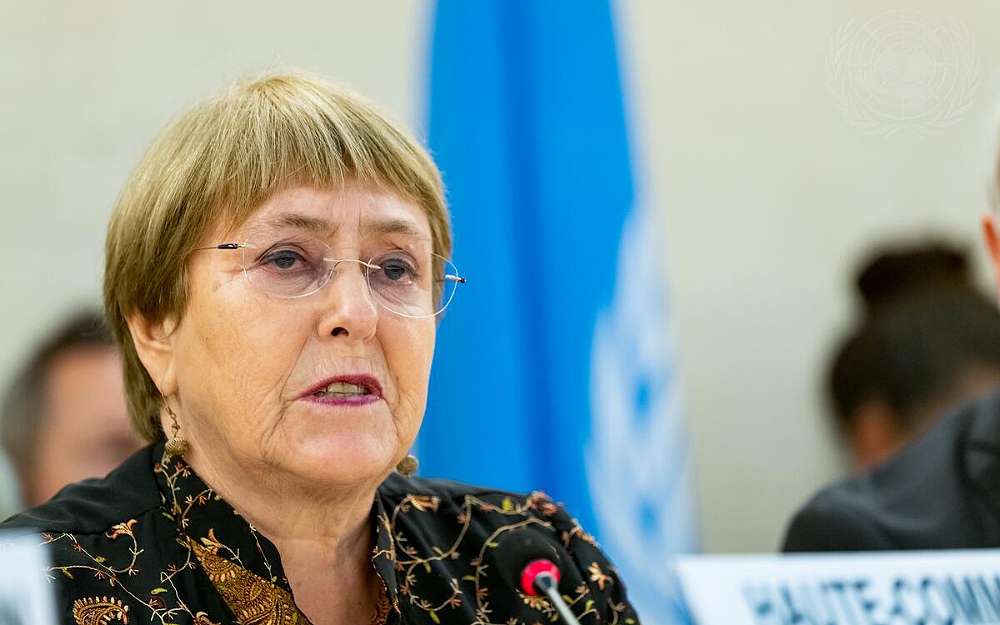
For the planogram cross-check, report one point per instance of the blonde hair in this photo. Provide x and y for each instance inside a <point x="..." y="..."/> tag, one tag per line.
<point x="216" y="164"/>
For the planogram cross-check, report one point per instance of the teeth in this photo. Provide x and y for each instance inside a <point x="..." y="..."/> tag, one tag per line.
<point x="343" y="389"/>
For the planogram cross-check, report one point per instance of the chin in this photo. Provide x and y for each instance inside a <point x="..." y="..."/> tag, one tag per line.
<point x="342" y="459"/>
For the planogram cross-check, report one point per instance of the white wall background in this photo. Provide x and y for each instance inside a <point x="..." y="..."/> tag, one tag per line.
<point x="84" y="87"/>
<point x="769" y="194"/>
<point x="767" y="190"/>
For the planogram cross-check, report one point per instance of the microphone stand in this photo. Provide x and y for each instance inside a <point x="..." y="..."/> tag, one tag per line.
<point x="547" y="584"/>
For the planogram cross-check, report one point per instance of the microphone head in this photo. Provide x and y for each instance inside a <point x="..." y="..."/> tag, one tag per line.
<point x="533" y="570"/>
<point x="527" y="553"/>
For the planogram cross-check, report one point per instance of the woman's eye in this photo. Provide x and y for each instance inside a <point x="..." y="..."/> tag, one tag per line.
<point x="397" y="270"/>
<point x="282" y="259"/>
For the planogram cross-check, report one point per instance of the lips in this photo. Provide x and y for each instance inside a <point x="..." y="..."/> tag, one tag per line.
<point x="345" y="387"/>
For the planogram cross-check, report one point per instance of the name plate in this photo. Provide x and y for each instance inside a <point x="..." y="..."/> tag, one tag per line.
<point x="877" y="588"/>
<point x="25" y="592"/>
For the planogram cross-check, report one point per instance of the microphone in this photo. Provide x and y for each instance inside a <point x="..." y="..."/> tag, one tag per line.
<point x="533" y="565"/>
<point x="542" y="577"/>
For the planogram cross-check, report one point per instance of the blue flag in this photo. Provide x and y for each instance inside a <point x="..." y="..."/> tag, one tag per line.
<point x="554" y="367"/>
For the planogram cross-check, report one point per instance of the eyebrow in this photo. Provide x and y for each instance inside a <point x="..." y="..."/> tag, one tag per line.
<point x="322" y="226"/>
<point x="393" y="226"/>
<point x="304" y="222"/>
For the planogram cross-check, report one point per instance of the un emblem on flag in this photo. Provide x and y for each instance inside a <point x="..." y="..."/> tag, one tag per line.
<point x="637" y="459"/>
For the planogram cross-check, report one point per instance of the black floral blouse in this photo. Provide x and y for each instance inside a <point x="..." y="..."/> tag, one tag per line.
<point x="152" y="543"/>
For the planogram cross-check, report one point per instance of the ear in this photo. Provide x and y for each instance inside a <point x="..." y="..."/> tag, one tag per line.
<point x="991" y="237"/>
<point x="154" y="343"/>
<point x="875" y="435"/>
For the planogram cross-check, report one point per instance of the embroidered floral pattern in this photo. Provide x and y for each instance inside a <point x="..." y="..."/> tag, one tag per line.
<point x="437" y="549"/>
<point x="99" y="611"/>
<point x="254" y="601"/>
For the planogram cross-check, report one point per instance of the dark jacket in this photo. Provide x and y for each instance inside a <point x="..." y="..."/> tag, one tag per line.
<point x="940" y="492"/>
<point x="152" y="543"/>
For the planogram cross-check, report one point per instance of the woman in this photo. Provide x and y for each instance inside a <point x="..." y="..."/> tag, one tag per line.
<point x="275" y="268"/>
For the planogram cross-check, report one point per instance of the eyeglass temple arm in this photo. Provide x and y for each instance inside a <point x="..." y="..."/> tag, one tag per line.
<point x="225" y="246"/>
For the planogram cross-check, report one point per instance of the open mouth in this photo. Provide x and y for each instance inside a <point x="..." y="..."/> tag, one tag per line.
<point x="346" y="387"/>
<point x="343" y="389"/>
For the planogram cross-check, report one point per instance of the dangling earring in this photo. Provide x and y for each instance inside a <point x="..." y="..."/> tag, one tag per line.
<point x="176" y="445"/>
<point x="408" y="465"/>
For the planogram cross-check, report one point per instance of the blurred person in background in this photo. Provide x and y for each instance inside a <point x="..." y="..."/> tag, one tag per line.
<point x="927" y="342"/>
<point x="942" y="491"/>
<point x="64" y="416"/>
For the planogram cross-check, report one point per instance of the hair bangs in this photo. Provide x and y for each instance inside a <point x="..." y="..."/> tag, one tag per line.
<point x="277" y="135"/>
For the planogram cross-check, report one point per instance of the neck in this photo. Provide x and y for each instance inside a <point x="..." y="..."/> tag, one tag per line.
<point x="282" y="507"/>
<point x="324" y="539"/>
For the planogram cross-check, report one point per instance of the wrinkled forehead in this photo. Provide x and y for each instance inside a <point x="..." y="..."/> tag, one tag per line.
<point x="347" y="215"/>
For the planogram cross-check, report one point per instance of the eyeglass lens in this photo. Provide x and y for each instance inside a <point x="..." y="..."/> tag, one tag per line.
<point x="402" y="283"/>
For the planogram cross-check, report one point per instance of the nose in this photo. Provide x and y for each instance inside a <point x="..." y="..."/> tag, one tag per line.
<point x="350" y="311"/>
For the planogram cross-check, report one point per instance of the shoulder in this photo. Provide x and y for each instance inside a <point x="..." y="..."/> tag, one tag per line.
<point x="437" y="505"/>
<point x="93" y="506"/>
<point x="440" y="506"/>
<point x="481" y="538"/>
<point x="920" y="499"/>
<point x="836" y="519"/>
<point x="397" y="489"/>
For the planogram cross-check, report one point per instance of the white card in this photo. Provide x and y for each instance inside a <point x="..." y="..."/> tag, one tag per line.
<point x="25" y="591"/>
<point x="874" y="588"/>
